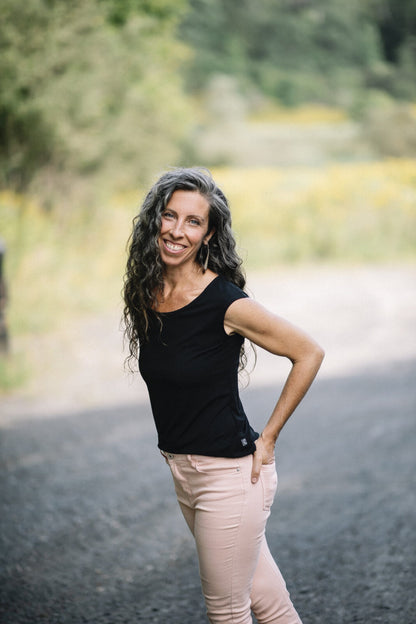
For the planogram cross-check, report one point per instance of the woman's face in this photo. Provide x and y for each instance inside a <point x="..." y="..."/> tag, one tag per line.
<point x="184" y="228"/>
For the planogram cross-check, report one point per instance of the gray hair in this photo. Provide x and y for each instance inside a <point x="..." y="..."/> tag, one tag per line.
<point x="143" y="279"/>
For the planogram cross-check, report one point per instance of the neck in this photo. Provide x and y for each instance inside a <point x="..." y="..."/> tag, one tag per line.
<point x="173" y="276"/>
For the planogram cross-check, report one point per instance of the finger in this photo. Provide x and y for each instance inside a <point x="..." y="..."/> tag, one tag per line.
<point x="255" y="471"/>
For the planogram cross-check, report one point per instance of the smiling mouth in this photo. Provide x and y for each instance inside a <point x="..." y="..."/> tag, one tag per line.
<point x="173" y="247"/>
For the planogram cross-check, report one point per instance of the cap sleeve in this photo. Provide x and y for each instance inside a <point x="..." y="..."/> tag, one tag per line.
<point x="229" y="292"/>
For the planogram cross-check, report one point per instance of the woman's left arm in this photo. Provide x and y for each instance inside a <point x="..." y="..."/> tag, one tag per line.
<point x="253" y="321"/>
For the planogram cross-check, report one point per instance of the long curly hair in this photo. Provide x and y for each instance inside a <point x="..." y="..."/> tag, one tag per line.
<point x="143" y="280"/>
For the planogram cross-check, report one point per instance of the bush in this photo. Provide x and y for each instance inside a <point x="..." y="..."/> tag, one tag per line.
<point x="86" y="95"/>
<point x="391" y="130"/>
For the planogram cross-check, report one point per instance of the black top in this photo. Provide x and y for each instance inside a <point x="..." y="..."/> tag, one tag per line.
<point x="190" y="366"/>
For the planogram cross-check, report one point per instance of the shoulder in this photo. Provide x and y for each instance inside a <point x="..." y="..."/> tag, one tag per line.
<point x="246" y="315"/>
<point x="228" y="291"/>
<point x="223" y="293"/>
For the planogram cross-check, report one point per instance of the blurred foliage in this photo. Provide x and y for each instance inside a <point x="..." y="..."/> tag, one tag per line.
<point x="57" y="269"/>
<point x="303" y="115"/>
<point x="84" y="88"/>
<point x="14" y="371"/>
<point x="101" y="95"/>
<point x="62" y="267"/>
<point x="360" y="212"/>
<point x="391" y="130"/>
<point x="302" y="50"/>
<point x="396" y="23"/>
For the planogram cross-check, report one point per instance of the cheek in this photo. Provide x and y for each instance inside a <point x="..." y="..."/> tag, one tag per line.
<point x="163" y="227"/>
<point x="198" y="239"/>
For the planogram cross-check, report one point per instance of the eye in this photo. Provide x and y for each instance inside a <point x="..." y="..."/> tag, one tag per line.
<point x="193" y="221"/>
<point x="166" y="214"/>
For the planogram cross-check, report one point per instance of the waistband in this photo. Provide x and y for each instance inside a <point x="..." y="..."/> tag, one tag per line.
<point x="192" y="457"/>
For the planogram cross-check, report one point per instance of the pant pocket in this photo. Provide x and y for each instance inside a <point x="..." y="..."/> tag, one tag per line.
<point x="216" y="466"/>
<point x="268" y="479"/>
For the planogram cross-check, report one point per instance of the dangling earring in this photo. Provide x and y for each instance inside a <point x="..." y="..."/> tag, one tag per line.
<point x="205" y="264"/>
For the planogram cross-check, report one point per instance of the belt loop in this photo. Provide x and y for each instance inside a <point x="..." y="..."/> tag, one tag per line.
<point x="167" y="455"/>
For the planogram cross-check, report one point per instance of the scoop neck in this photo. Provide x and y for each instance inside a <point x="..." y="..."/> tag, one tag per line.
<point x="194" y="300"/>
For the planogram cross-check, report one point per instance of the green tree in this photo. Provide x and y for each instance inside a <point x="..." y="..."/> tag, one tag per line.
<point x="295" y="50"/>
<point x="89" y="89"/>
<point x="395" y="21"/>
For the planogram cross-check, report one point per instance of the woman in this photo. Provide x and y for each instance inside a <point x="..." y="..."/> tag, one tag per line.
<point x="187" y="316"/>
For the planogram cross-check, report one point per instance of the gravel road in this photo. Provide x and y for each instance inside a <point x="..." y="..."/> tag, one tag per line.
<point x="89" y="525"/>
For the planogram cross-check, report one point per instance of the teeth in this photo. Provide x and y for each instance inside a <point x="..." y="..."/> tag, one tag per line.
<point x="173" y="247"/>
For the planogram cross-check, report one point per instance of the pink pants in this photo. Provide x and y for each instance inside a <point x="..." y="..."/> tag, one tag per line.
<point x="227" y="515"/>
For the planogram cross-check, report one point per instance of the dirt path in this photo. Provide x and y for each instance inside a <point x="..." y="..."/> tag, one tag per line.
<point x="89" y="526"/>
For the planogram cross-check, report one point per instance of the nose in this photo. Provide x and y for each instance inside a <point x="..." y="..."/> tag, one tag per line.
<point x="177" y="229"/>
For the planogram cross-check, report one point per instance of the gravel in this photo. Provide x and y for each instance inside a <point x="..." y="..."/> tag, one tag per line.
<point x="90" y="530"/>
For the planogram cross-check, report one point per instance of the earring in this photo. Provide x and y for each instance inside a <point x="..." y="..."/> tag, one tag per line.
<point x="205" y="264"/>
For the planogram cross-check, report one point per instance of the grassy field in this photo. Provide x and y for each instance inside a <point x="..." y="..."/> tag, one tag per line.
<point x="351" y="212"/>
<point x="62" y="265"/>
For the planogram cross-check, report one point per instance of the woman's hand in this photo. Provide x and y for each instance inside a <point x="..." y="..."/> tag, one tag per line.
<point x="264" y="454"/>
